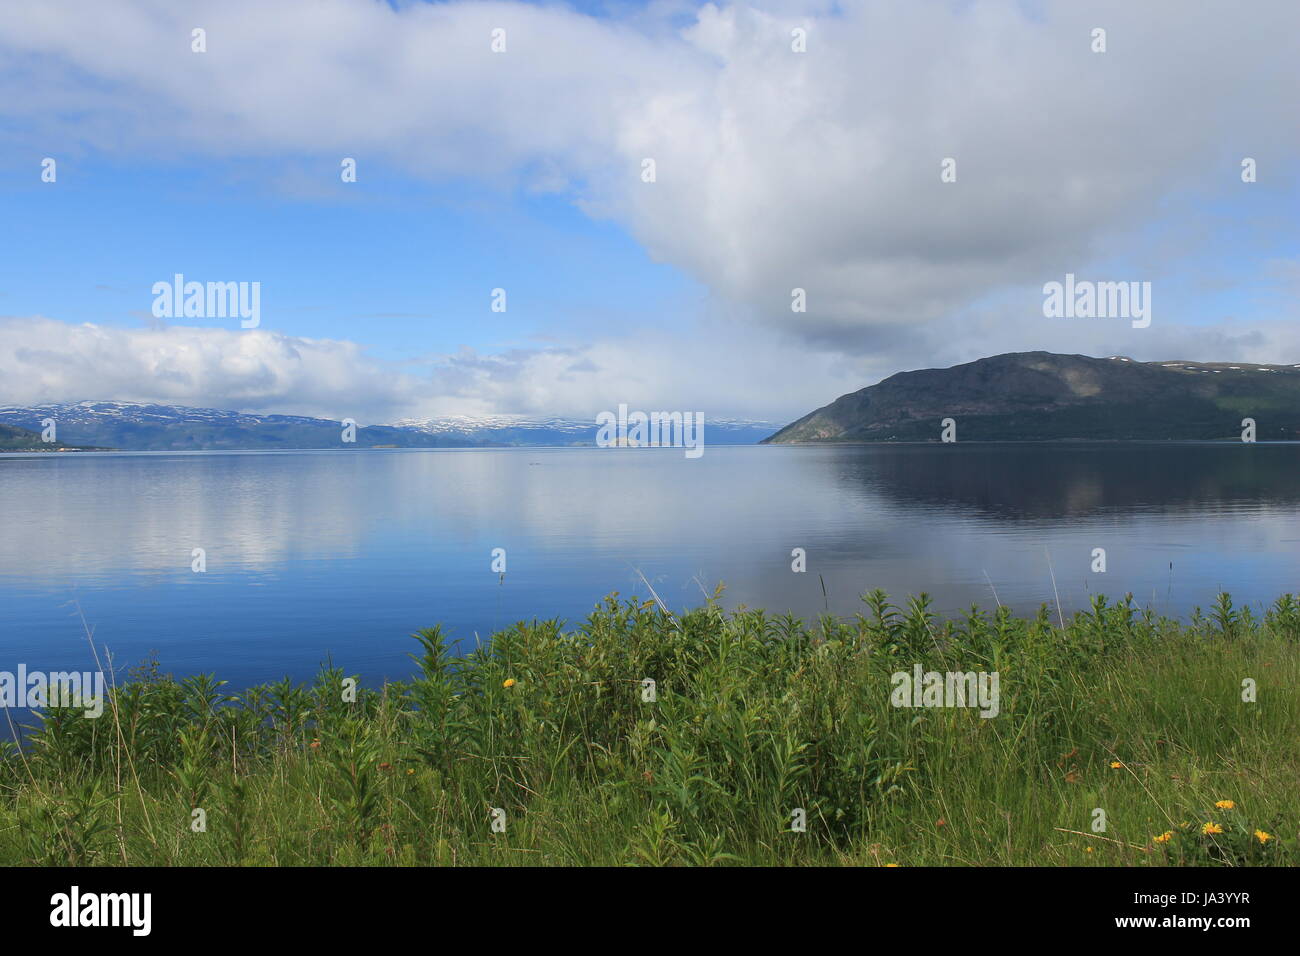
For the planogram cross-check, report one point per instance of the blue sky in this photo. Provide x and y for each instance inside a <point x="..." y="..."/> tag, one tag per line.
<point x="775" y="170"/>
<point x="404" y="266"/>
<point x="407" y="267"/>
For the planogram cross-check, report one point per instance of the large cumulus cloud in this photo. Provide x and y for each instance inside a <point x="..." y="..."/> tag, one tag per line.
<point x="775" y="169"/>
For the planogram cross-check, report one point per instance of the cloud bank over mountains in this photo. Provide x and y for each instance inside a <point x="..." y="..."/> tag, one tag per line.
<point x="46" y="361"/>
<point x="774" y="170"/>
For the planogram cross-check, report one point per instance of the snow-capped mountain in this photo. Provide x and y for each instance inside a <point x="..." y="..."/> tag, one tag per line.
<point x="92" y="413"/>
<point x="466" y="424"/>
<point x="519" y="430"/>
<point x="133" y="426"/>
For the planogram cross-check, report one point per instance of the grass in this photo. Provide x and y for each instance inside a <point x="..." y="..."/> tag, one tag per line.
<point x="550" y="735"/>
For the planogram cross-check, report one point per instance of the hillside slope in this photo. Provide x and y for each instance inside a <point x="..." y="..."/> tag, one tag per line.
<point x="1042" y="396"/>
<point x="13" y="438"/>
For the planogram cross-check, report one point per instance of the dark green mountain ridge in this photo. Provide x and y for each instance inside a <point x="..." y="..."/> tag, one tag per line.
<point x="13" y="438"/>
<point x="1043" y="396"/>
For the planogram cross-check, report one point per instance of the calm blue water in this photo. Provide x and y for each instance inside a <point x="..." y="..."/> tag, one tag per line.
<point x="345" y="553"/>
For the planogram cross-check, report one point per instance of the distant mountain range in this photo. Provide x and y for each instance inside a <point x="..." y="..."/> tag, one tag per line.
<point x="129" y="426"/>
<point x="1019" y="396"/>
<point x="1042" y="396"/>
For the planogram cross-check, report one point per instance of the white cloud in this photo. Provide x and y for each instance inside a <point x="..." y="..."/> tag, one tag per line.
<point x="44" y="360"/>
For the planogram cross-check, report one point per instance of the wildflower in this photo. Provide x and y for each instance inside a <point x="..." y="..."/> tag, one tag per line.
<point x="385" y="766"/>
<point x="508" y="682"/>
<point x="941" y="822"/>
<point x="1211" y="828"/>
<point x="891" y="864"/>
<point x="410" y="770"/>
<point x="1225" y="805"/>
<point x="1087" y="849"/>
<point x="315" y="744"/>
<point x="1164" y="837"/>
<point x="1115" y="765"/>
<point x="1263" y="837"/>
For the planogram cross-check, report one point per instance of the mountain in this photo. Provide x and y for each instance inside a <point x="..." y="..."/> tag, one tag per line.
<point x="131" y="426"/>
<point x="511" y="430"/>
<point x="1042" y="396"/>
<point x="135" y="427"/>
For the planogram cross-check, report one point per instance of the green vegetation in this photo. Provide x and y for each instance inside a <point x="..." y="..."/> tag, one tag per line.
<point x="13" y="438"/>
<point x="753" y="716"/>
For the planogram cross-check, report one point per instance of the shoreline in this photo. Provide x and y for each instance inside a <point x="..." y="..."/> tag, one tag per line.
<point x="722" y="732"/>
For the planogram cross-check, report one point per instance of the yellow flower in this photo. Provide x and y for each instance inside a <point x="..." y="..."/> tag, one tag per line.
<point x="1087" y="849"/>
<point x="1225" y="805"/>
<point x="508" y="682"/>
<point x="1263" y="837"/>
<point x="1164" y="837"/>
<point x="409" y="771"/>
<point x="891" y="864"/>
<point x="1211" y="828"/>
<point x="1115" y="765"/>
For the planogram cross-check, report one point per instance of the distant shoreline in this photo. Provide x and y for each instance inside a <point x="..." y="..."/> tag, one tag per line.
<point x="852" y="443"/>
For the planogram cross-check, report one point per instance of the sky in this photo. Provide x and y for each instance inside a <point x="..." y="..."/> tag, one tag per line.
<point x="523" y="170"/>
